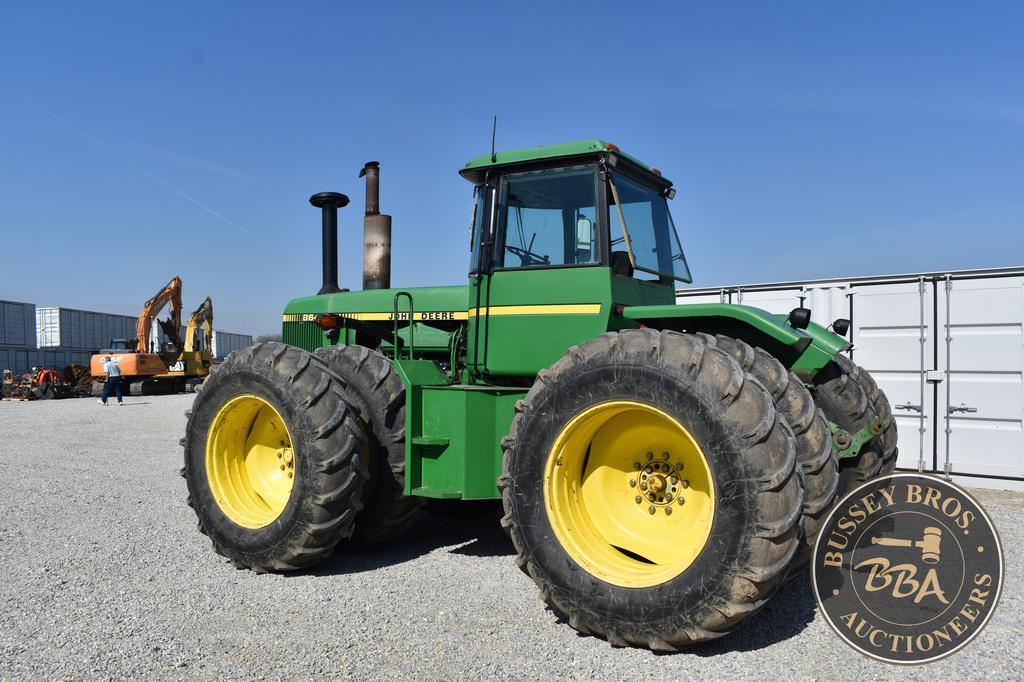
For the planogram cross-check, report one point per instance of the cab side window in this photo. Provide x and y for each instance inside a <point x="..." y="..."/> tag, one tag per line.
<point x="548" y="218"/>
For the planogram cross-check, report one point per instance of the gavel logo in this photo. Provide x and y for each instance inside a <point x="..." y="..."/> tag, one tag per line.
<point x="929" y="544"/>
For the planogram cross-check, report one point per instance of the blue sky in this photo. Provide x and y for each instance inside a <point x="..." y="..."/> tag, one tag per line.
<point x="140" y="141"/>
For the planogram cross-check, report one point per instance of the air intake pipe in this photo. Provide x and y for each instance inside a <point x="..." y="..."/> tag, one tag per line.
<point x="329" y="203"/>
<point x="376" y="233"/>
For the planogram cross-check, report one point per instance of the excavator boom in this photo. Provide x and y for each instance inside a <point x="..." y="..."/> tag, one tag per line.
<point x="171" y="293"/>
<point x="202" y="317"/>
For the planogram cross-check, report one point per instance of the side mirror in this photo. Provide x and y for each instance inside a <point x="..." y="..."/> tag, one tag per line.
<point x="584" y="233"/>
<point x="799" y="318"/>
<point x="841" y="326"/>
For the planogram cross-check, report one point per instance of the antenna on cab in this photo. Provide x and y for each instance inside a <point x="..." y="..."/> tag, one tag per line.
<point x="494" y="133"/>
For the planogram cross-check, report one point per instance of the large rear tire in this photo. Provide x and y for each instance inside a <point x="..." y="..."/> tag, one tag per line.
<point x="272" y="459"/>
<point x="379" y="394"/>
<point x="650" y="489"/>
<point x="851" y="399"/>
<point x="819" y="467"/>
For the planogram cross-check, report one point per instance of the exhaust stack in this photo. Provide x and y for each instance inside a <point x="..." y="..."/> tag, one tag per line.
<point x="376" y="233"/>
<point x="329" y="203"/>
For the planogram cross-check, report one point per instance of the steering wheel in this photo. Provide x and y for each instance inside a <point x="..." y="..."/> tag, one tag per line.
<point x="528" y="257"/>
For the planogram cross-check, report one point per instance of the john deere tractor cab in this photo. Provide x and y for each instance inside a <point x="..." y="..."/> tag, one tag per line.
<point x="663" y="468"/>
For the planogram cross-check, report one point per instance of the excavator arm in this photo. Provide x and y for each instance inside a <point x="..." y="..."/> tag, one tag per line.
<point x="171" y="293"/>
<point x="202" y="317"/>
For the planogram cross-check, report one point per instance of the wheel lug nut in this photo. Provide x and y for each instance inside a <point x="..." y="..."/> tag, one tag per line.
<point x="679" y="466"/>
<point x="636" y="465"/>
<point x="664" y="455"/>
<point x="638" y="499"/>
<point x="674" y="479"/>
<point x="686" y="484"/>
<point x="681" y="501"/>
<point x="632" y="483"/>
<point x="668" y="498"/>
<point x="289" y="474"/>
<point x="282" y="467"/>
<point x="668" y="511"/>
<point x="280" y="454"/>
<point x="650" y="510"/>
<point x="643" y="486"/>
<point x="650" y="455"/>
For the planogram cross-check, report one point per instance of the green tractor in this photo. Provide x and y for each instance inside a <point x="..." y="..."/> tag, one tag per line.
<point x="663" y="468"/>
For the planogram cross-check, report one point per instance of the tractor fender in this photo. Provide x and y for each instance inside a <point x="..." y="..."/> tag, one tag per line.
<point x="805" y="351"/>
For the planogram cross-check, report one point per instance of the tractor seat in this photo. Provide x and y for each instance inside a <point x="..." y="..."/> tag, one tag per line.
<point x="621" y="265"/>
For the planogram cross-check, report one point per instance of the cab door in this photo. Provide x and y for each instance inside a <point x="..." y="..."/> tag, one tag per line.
<point x="544" y="288"/>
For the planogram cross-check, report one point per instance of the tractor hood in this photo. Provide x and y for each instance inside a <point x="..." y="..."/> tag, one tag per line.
<point x="430" y="303"/>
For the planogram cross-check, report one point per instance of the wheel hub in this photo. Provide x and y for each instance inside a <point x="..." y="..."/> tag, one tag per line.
<point x="661" y="481"/>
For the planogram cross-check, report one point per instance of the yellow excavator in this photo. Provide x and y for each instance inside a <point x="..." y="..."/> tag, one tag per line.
<point x="149" y="367"/>
<point x="197" y="351"/>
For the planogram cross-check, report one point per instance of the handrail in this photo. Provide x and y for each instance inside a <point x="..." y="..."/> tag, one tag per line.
<point x="398" y="341"/>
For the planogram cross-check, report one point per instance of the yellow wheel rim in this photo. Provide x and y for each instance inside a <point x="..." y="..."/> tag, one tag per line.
<point x="250" y="461"/>
<point x="629" y="494"/>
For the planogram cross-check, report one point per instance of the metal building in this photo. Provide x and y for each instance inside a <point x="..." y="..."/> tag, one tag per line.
<point x="946" y="347"/>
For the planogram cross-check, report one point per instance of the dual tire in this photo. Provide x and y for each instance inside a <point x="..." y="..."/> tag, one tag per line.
<point x="751" y="439"/>
<point x="816" y="457"/>
<point x="291" y="454"/>
<point x="377" y="392"/>
<point x="274" y="459"/>
<point x="652" y="489"/>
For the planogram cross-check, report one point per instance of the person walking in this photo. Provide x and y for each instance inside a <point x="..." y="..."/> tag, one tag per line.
<point x="113" y="383"/>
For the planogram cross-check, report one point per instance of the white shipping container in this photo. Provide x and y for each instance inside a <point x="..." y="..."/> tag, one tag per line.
<point x="225" y="343"/>
<point x="947" y="349"/>
<point x="81" y="329"/>
<point x="17" y="324"/>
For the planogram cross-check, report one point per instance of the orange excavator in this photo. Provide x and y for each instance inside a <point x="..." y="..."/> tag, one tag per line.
<point x="150" y="367"/>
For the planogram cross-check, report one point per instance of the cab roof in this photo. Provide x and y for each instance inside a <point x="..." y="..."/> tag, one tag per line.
<point x="473" y="170"/>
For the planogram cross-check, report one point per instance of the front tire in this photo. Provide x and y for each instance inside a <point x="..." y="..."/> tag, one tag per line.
<point x="272" y="459"/>
<point x="590" y="439"/>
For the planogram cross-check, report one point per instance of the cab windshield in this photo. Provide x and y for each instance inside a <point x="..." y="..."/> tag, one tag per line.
<point x="642" y="224"/>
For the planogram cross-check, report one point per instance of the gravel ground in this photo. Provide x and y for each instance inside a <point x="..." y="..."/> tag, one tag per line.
<point x="104" y="574"/>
